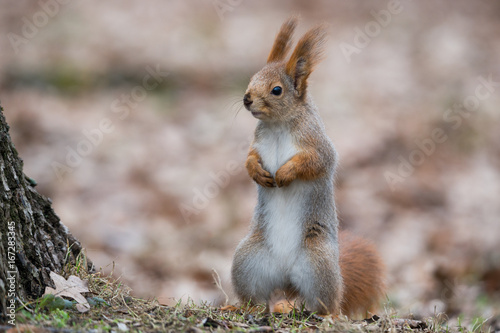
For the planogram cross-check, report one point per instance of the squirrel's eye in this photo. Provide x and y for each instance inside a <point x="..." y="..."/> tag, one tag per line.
<point x="276" y="91"/>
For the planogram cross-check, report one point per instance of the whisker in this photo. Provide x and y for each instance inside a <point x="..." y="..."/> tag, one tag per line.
<point x="236" y="114"/>
<point x="232" y="102"/>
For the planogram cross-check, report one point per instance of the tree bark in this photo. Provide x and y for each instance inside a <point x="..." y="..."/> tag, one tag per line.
<point x="33" y="240"/>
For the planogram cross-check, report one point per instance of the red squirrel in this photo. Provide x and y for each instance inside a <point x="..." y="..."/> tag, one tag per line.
<point x="294" y="246"/>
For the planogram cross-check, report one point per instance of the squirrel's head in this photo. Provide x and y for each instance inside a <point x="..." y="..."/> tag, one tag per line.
<point x="276" y="92"/>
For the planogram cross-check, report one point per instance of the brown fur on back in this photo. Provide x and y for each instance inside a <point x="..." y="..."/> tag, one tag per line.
<point x="362" y="270"/>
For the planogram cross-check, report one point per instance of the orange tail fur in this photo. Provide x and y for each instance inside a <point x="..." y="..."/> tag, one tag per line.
<point x="363" y="274"/>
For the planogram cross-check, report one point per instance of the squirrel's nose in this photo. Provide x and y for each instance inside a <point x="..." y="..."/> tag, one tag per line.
<point x="246" y="100"/>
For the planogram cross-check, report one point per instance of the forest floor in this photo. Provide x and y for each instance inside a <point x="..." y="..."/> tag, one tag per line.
<point x="112" y="309"/>
<point x="136" y="315"/>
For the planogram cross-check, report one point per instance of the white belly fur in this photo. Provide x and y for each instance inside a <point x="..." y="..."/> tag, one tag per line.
<point x="284" y="213"/>
<point x="284" y="207"/>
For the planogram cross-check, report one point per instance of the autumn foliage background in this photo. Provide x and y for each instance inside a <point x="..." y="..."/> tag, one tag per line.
<point x="160" y="196"/>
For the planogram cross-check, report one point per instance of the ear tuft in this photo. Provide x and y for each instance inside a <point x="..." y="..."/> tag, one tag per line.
<point x="307" y="54"/>
<point x="282" y="43"/>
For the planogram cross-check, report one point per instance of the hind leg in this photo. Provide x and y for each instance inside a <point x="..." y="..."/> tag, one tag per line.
<point x="317" y="278"/>
<point x="253" y="273"/>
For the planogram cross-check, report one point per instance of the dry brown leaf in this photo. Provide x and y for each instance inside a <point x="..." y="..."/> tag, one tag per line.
<point x="72" y="288"/>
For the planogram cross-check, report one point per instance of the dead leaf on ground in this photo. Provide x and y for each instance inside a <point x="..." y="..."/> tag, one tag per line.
<point x="72" y="288"/>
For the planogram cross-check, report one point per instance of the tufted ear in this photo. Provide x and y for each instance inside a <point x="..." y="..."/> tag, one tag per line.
<point x="282" y="43"/>
<point x="307" y="54"/>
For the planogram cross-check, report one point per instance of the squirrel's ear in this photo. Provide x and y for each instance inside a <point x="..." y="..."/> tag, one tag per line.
<point x="282" y="43"/>
<point x="307" y="54"/>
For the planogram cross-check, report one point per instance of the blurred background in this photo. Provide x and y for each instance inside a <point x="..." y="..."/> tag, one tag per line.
<point x="126" y="114"/>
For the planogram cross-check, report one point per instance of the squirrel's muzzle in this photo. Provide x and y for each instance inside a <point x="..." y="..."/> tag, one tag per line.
<point x="247" y="100"/>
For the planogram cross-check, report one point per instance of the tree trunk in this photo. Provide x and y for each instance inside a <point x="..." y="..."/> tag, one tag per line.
<point x="33" y="241"/>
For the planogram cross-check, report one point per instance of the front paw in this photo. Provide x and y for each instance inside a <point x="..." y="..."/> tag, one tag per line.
<point x="263" y="178"/>
<point x="257" y="172"/>
<point x="286" y="174"/>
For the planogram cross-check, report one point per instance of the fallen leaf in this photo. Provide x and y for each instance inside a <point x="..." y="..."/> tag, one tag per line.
<point x="72" y="288"/>
<point x="82" y="308"/>
<point x="122" y="327"/>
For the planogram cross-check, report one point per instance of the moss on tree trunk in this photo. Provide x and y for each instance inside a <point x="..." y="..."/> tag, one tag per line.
<point x="33" y="241"/>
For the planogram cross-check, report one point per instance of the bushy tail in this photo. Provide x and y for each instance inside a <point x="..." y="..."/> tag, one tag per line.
<point x="363" y="273"/>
